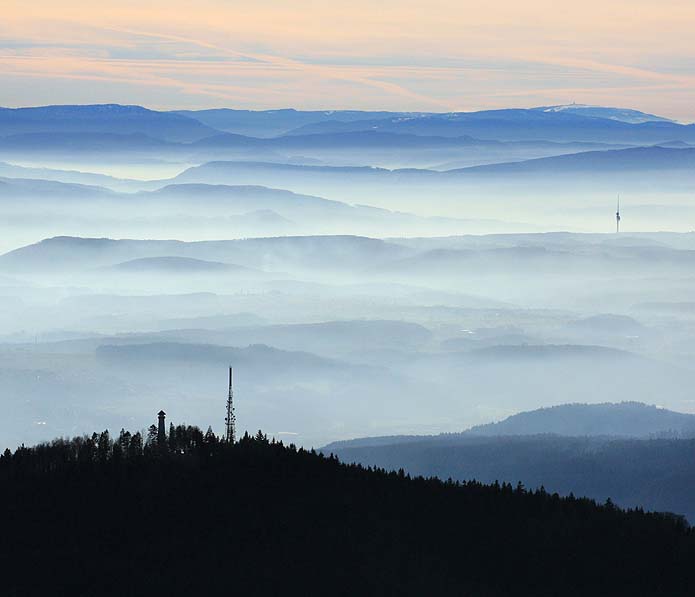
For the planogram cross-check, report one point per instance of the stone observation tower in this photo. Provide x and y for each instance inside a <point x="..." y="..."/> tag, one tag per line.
<point x="161" y="428"/>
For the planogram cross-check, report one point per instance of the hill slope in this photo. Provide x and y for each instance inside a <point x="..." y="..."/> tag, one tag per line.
<point x="191" y="515"/>
<point x="628" y="419"/>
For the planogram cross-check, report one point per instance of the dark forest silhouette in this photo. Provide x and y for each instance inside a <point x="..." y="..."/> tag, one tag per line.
<point x="190" y="515"/>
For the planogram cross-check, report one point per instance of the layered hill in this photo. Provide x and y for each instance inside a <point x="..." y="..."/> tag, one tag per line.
<point x="517" y="125"/>
<point x="634" y="169"/>
<point x="70" y="253"/>
<point x="271" y="123"/>
<point x="248" y="210"/>
<point x="579" y="449"/>
<point x="176" y="265"/>
<point x="398" y="259"/>
<point x="103" y="119"/>
<point x="626" y="419"/>
<point x="12" y="189"/>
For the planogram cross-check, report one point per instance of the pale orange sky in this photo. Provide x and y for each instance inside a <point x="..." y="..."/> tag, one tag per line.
<point x="437" y="55"/>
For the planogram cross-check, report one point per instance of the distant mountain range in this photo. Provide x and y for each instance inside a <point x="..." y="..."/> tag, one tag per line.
<point x="333" y="154"/>
<point x="104" y="119"/>
<point x="518" y="125"/>
<point x="278" y="122"/>
<point x="620" y="114"/>
<point x="370" y="256"/>
<point x="359" y="147"/>
<point x="382" y="174"/>
<point x="76" y="254"/>
<point x="85" y="141"/>
<point x="633" y="169"/>
<point x="281" y="121"/>
<point x="249" y="210"/>
<point x="554" y="123"/>
<point x="272" y="123"/>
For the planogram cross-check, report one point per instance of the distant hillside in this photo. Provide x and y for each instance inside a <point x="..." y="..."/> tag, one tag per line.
<point x="244" y="198"/>
<point x="67" y="176"/>
<point x="299" y="211"/>
<point x="49" y="190"/>
<point x="254" y="359"/>
<point x="653" y="474"/>
<point x="597" y="162"/>
<point x="518" y="125"/>
<point x="338" y="140"/>
<point x="606" y="324"/>
<point x="83" y="142"/>
<point x="596" y="260"/>
<point x="410" y="261"/>
<point x="572" y="448"/>
<point x="173" y="265"/>
<point x="252" y="210"/>
<point x="603" y="421"/>
<point x="187" y="514"/>
<point x="252" y="173"/>
<point x="270" y="123"/>
<point x="626" y="419"/>
<point x="276" y="252"/>
<point x="106" y="118"/>
<point x="656" y="166"/>
<point x="555" y="240"/>
<point x="620" y="114"/>
<point x="365" y="148"/>
<point x="325" y="338"/>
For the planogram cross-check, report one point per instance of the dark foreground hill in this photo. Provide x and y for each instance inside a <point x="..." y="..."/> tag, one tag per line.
<point x="196" y="517"/>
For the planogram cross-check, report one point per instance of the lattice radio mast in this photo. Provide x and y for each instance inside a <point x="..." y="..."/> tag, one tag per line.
<point x="230" y="419"/>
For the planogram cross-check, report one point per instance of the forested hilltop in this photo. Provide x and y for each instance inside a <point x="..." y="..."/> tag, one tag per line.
<point x="191" y="514"/>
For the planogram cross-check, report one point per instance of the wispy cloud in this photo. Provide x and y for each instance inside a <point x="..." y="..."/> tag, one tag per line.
<point x="445" y="55"/>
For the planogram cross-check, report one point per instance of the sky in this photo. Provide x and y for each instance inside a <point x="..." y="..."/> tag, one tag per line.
<point x="439" y="55"/>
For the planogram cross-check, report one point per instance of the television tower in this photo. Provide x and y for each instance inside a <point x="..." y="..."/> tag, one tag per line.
<point x="230" y="419"/>
<point x="617" y="217"/>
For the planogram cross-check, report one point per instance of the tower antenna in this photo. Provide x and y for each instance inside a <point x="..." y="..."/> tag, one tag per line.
<point x="617" y="217"/>
<point x="230" y="419"/>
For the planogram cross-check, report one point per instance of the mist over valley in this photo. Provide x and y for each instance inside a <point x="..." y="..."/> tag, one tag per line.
<point x="367" y="274"/>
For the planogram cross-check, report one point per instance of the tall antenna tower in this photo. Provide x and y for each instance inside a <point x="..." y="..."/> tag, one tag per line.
<point x="617" y="217"/>
<point x="230" y="419"/>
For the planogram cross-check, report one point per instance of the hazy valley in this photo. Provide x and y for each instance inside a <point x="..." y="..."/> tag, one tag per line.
<point x="366" y="274"/>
